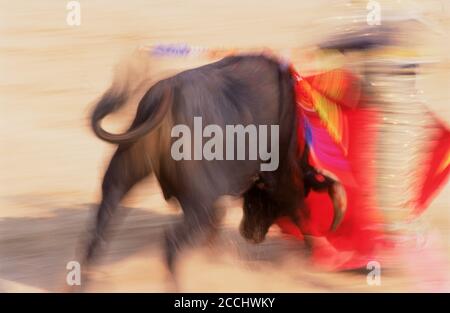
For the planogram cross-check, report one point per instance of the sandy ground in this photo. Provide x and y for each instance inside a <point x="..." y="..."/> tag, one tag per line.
<point x="51" y="163"/>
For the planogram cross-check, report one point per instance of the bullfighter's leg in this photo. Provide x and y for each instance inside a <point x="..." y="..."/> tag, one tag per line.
<point x="200" y="223"/>
<point x="127" y="167"/>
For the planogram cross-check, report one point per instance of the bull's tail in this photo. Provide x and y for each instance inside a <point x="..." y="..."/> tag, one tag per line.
<point x="152" y="109"/>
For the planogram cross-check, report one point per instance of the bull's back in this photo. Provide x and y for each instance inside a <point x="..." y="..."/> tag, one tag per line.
<point x="236" y="90"/>
<point x="240" y="90"/>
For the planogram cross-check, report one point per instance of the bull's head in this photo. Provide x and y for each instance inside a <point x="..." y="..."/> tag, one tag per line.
<point x="260" y="212"/>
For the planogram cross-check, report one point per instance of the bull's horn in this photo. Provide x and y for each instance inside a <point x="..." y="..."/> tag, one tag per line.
<point x="339" y="198"/>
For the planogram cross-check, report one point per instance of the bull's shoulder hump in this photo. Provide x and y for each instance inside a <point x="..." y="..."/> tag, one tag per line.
<point x="208" y="68"/>
<point x="242" y="59"/>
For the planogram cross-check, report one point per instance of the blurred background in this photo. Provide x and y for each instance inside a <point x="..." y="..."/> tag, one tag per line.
<point x="51" y="164"/>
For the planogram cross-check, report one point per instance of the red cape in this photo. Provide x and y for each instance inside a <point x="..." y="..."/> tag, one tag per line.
<point x="341" y="135"/>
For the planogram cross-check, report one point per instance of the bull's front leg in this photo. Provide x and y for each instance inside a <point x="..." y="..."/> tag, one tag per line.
<point x="200" y="224"/>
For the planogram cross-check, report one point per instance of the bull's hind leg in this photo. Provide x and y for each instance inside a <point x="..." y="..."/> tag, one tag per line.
<point x="199" y="223"/>
<point x="127" y="167"/>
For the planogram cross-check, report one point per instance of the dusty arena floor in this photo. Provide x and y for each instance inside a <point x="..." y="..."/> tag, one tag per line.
<point x="51" y="163"/>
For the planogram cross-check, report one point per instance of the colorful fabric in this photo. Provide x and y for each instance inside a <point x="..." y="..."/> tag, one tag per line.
<point x="437" y="168"/>
<point x="341" y="135"/>
<point x="337" y="130"/>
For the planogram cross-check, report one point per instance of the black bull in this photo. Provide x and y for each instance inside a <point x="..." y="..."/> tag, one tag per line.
<point x="236" y="90"/>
